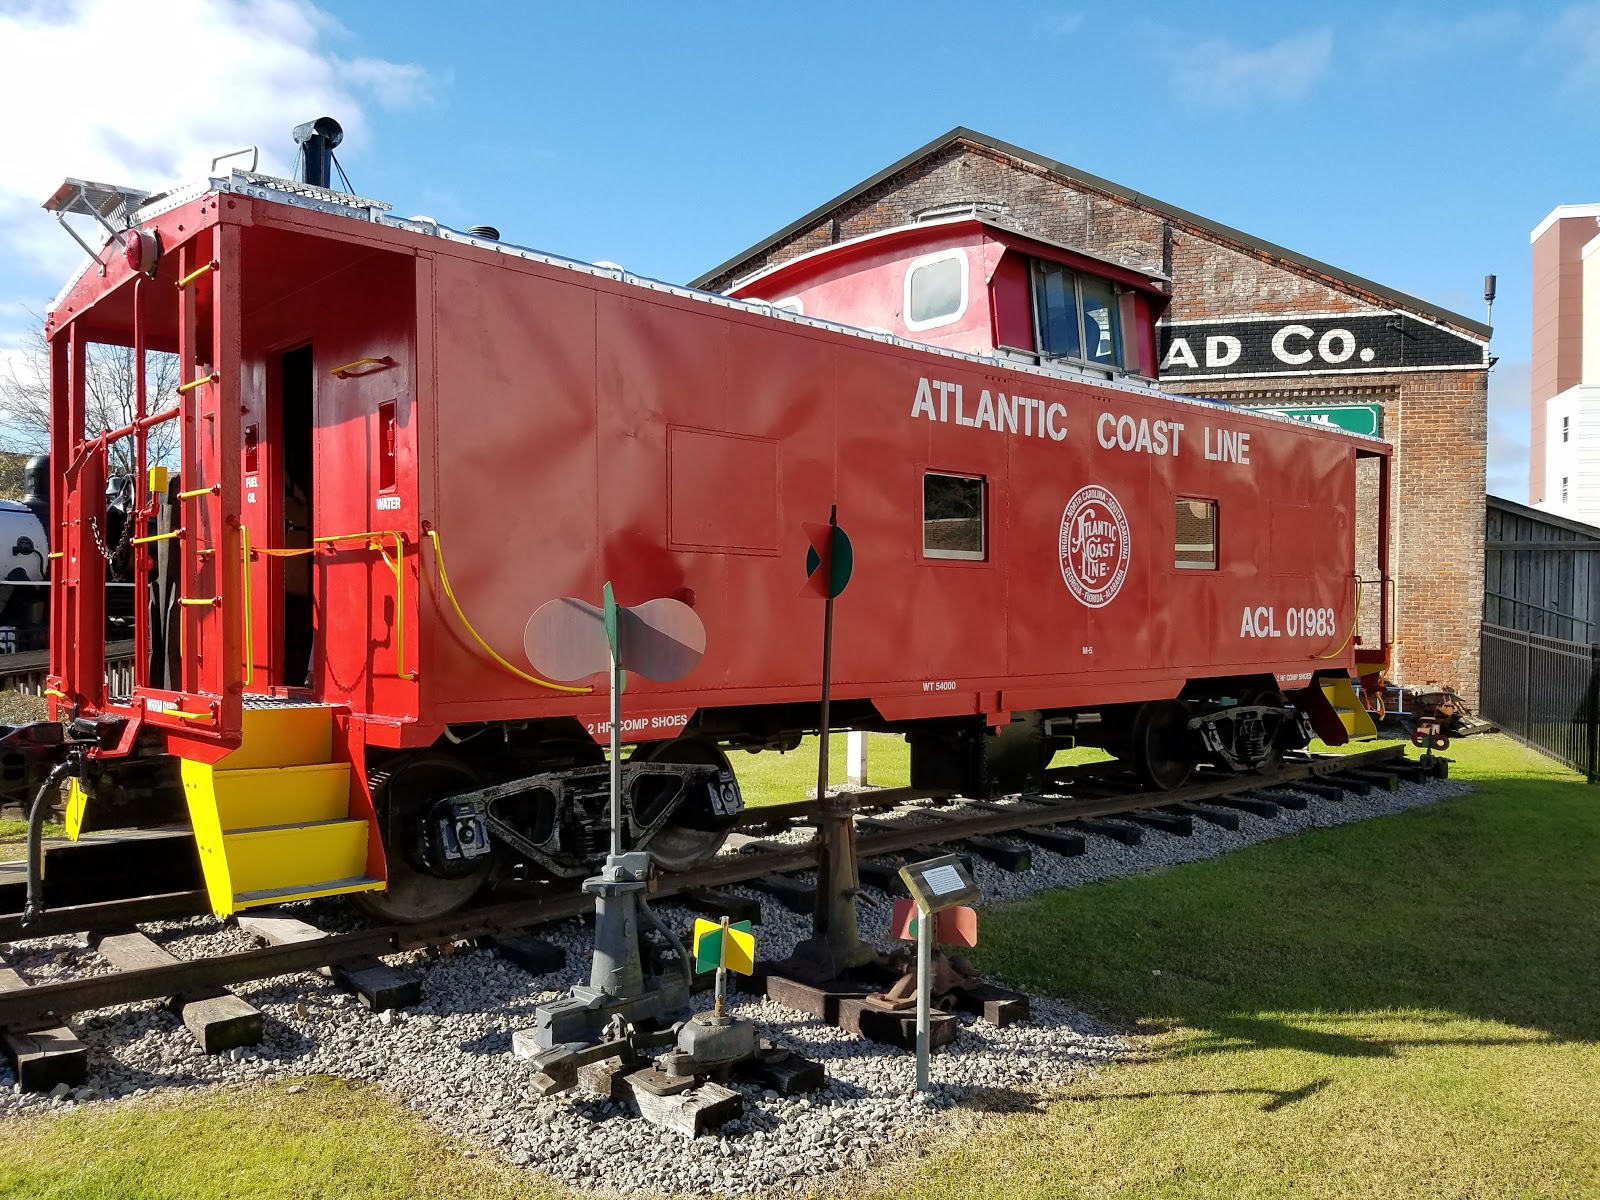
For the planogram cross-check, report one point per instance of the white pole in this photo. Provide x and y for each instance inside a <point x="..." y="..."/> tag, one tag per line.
<point x="856" y="757"/>
<point x="924" y="993"/>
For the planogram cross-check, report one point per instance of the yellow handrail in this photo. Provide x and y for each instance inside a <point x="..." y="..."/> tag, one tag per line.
<point x="156" y="537"/>
<point x="194" y="383"/>
<point x="1355" y="623"/>
<point x="444" y="583"/>
<point x="341" y="371"/>
<point x="249" y="646"/>
<point x="214" y="489"/>
<point x="196" y="273"/>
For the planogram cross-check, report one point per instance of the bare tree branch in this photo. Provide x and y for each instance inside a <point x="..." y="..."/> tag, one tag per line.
<point x="110" y="395"/>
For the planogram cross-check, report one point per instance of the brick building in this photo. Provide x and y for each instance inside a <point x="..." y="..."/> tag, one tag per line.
<point x="1253" y="323"/>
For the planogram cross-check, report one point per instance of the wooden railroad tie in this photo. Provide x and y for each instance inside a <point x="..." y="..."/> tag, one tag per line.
<point x="1384" y="781"/>
<point x="1289" y="796"/>
<point x="216" y="1018"/>
<point x="1177" y="824"/>
<point x="1349" y="783"/>
<point x="714" y="902"/>
<point x="42" y="1055"/>
<point x="1256" y="807"/>
<point x="376" y="984"/>
<point x="881" y="875"/>
<point x="1222" y="817"/>
<point x="1128" y="835"/>
<point x="534" y="955"/>
<point x="1403" y="768"/>
<point x="1323" y="791"/>
<point x="1057" y="841"/>
<point x="794" y="895"/>
<point x="1008" y="858"/>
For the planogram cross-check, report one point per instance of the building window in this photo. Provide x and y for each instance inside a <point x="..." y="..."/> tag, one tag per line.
<point x="1077" y="316"/>
<point x="952" y="516"/>
<point x="1563" y="489"/>
<point x="1195" y="535"/>
<point x="1565" y="423"/>
<point x="936" y="290"/>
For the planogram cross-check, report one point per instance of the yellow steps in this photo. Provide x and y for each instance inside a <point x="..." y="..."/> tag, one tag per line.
<point x="1343" y="698"/>
<point x="272" y="819"/>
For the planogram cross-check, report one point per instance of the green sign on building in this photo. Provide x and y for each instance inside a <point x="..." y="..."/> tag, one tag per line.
<point x="1352" y="418"/>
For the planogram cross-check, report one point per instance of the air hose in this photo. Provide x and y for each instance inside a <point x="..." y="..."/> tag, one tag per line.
<point x="36" y="815"/>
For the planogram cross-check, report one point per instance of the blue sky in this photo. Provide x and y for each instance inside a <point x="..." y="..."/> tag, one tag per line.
<point x="1416" y="145"/>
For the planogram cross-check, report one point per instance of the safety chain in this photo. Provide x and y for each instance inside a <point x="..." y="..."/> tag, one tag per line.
<point x="122" y="543"/>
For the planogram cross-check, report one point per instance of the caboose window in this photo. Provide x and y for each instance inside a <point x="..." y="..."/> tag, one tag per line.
<point x="936" y="290"/>
<point x="1078" y="316"/>
<point x="1195" y="535"/>
<point x="1102" y="328"/>
<point x="952" y="516"/>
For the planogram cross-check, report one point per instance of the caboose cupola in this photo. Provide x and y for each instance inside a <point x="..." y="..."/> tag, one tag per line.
<point x="972" y="283"/>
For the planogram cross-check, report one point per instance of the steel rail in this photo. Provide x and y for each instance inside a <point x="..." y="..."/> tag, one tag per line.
<point x="50" y="1003"/>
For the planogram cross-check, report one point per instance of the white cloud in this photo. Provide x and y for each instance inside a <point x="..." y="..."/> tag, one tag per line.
<point x="1217" y="73"/>
<point x="86" y="99"/>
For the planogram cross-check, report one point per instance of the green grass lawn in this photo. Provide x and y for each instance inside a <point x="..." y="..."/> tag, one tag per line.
<point x="1403" y="1007"/>
<point x="334" y="1141"/>
<point x="773" y="778"/>
<point x="14" y="836"/>
<point x="1399" y="1008"/>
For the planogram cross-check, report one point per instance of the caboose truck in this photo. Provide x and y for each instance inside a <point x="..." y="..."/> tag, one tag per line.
<point x="398" y="440"/>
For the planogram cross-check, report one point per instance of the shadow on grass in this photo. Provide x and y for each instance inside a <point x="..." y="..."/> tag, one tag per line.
<point x="1280" y="1098"/>
<point x="1484" y="907"/>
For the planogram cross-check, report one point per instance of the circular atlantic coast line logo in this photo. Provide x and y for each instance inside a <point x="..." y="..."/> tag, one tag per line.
<point x="1095" y="546"/>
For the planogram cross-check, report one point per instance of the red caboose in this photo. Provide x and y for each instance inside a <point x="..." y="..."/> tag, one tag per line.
<point x="398" y="441"/>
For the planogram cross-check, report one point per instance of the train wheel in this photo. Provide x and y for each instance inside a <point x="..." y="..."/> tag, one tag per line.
<point x="403" y="796"/>
<point x="695" y="833"/>
<point x="1160" y="745"/>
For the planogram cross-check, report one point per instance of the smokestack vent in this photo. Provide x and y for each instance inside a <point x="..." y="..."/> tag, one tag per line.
<point x="485" y="231"/>
<point x="317" y="140"/>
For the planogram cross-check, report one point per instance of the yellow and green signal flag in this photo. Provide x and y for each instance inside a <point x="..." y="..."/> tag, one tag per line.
<point x="830" y="559"/>
<point x="736" y="951"/>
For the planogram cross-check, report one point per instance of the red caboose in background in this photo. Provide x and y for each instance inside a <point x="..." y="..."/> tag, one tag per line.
<point x="400" y="440"/>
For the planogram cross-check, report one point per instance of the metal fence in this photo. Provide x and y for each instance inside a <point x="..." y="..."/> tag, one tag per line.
<point x="1545" y="692"/>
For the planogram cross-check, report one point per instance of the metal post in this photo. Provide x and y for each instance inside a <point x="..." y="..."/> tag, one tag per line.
<point x="720" y="1009"/>
<point x="924" y="993"/>
<point x="1527" y="686"/>
<point x="1592" y="714"/>
<point x="616" y="755"/>
<point x="856" y="754"/>
<point x="827" y="669"/>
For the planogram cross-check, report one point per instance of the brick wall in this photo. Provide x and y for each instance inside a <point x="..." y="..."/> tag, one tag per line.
<point x="1437" y="421"/>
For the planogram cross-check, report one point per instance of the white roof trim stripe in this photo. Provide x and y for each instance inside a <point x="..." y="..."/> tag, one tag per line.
<point x="1563" y="212"/>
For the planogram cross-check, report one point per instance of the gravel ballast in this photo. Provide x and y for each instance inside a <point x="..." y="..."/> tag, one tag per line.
<point x="449" y="1058"/>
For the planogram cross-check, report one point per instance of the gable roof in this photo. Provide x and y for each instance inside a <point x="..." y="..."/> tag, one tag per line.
<point x="1171" y="211"/>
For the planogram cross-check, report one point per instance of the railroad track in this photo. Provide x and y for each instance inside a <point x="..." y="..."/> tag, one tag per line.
<point x="955" y="821"/>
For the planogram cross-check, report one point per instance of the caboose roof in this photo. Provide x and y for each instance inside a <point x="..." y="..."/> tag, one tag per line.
<point x="919" y="233"/>
<point x="1204" y="225"/>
